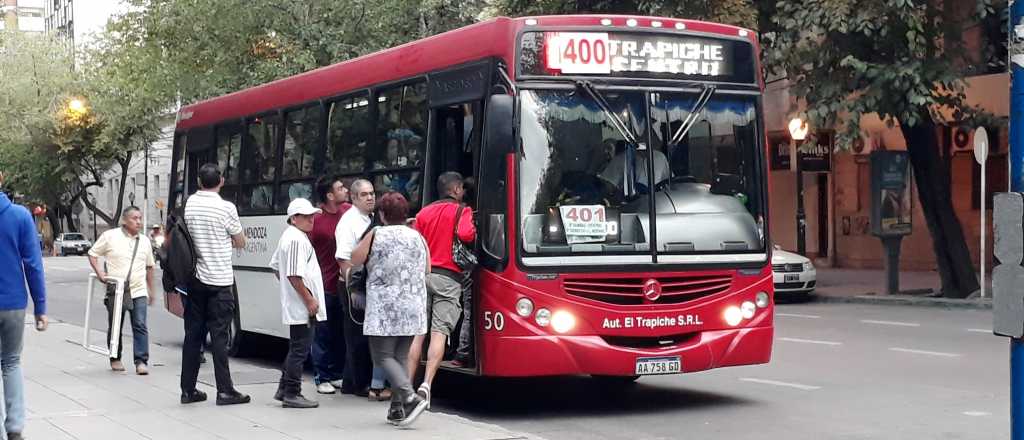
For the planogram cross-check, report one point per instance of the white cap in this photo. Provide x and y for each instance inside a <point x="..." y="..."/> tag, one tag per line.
<point x="301" y="206"/>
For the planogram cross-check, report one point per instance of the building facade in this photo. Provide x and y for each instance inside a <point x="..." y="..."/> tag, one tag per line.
<point x="23" y="15"/>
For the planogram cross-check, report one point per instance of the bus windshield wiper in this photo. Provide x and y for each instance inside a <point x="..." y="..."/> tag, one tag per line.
<point x="691" y="118"/>
<point x="614" y="119"/>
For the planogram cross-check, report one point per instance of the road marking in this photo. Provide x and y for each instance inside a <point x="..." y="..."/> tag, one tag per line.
<point x="797" y="315"/>
<point x="977" y="413"/>
<point x="930" y="353"/>
<point x="897" y="323"/>
<point x="979" y="330"/>
<point x="798" y="386"/>
<point x="810" y="341"/>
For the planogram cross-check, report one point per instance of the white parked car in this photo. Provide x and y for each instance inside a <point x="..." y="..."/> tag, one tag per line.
<point x="71" y="243"/>
<point x="792" y="272"/>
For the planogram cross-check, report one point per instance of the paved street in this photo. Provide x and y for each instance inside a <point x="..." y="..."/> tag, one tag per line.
<point x="839" y="371"/>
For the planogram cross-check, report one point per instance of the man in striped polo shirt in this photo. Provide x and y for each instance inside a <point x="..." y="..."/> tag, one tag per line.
<point x="215" y="229"/>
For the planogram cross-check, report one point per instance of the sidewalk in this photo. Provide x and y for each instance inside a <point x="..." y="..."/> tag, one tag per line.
<point x="868" y="286"/>
<point x="72" y="394"/>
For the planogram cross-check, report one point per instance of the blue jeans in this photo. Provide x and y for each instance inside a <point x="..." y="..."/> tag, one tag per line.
<point x="140" y="334"/>
<point x="329" y="343"/>
<point x="12" y="332"/>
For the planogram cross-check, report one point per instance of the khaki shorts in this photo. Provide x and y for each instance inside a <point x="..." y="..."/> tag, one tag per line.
<point x="445" y="303"/>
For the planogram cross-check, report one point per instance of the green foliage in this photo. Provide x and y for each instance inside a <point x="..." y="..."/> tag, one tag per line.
<point x="197" y="49"/>
<point x="905" y="60"/>
<point x="736" y="12"/>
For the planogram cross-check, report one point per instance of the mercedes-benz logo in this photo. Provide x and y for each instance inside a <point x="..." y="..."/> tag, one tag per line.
<point x="652" y="290"/>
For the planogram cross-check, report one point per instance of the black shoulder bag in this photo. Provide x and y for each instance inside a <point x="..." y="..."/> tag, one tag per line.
<point x="126" y="300"/>
<point x="356" y="285"/>
<point x="462" y="255"/>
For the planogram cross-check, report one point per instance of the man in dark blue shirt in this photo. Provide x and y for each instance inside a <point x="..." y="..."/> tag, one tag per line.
<point x="21" y="258"/>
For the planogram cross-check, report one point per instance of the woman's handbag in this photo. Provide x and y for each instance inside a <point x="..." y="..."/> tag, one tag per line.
<point x="462" y="254"/>
<point x="126" y="299"/>
<point x="355" y="286"/>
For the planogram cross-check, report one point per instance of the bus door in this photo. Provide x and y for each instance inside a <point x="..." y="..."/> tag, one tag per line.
<point x="457" y="143"/>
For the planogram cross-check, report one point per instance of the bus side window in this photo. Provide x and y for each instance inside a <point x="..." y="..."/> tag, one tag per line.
<point x="229" y="145"/>
<point x="348" y="134"/>
<point x="301" y="139"/>
<point x="259" y="165"/>
<point x="401" y="141"/>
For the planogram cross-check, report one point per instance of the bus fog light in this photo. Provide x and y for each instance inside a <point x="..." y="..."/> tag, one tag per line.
<point x="543" y="317"/>
<point x="748" y="308"/>
<point x="762" y="299"/>
<point x="524" y="307"/>
<point x="733" y="316"/>
<point x="563" y="321"/>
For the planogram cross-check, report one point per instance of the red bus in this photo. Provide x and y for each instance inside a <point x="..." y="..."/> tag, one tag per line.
<point x="620" y="167"/>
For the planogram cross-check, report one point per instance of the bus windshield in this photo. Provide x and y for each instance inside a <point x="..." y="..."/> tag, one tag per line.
<point x="584" y="189"/>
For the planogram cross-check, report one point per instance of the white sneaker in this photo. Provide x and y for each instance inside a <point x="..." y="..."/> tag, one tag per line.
<point x="336" y="383"/>
<point x="325" y="388"/>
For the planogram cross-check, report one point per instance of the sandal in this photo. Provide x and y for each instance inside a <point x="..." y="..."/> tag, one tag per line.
<point x="424" y="392"/>
<point x="379" y="394"/>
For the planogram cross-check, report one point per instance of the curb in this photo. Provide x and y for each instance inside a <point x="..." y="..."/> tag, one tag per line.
<point x="906" y="300"/>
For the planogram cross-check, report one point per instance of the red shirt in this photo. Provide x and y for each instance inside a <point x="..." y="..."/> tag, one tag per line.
<point x="435" y="222"/>
<point x="325" y="245"/>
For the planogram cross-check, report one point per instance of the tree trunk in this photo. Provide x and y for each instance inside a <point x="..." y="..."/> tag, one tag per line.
<point x="124" y="163"/>
<point x="66" y="212"/>
<point x="51" y="215"/>
<point x="933" y="188"/>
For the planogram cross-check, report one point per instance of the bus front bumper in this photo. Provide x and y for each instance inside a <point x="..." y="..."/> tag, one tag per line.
<point x="543" y="355"/>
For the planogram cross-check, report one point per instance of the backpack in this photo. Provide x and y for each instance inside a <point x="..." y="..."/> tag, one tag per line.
<point x="179" y="265"/>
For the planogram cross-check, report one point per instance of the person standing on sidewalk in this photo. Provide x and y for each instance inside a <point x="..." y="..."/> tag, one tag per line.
<point x="329" y="338"/>
<point x="215" y="228"/>
<point x="397" y="262"/>
<point x="23" y="265"/>
<point x="446" y="280"/>
<point x="302" y="297"/>
<point x="359" y="369"/>
<point x="128" y="255"/>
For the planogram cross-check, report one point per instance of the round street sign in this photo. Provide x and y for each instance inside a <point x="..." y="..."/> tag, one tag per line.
<point x="980" y="145"/>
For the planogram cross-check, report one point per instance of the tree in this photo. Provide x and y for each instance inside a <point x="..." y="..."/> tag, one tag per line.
<point x="735" y="12"/>
<point x="197" y="49"/>
<point x="904" y="60"/>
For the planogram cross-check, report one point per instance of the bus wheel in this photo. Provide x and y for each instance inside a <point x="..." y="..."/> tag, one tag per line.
<point x="615" y="381"/>
<point x="236" y="336"/>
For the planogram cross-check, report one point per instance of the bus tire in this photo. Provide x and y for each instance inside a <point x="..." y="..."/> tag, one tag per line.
<point x="236" y="336"/>
<point x="615" y="381"/>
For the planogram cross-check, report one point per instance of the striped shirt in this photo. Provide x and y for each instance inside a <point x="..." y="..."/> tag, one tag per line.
<point x="212" y="221"/>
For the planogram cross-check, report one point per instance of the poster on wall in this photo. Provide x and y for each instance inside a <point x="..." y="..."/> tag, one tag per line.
<point x="891" y="202"/>
<point x="778" y="148"/>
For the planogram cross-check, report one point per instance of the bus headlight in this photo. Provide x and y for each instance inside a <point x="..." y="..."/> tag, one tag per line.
<point x="563" y="321"/>
<point x="748" y="308"/>
<point x="733" y="316"/>
<point x="543" y="317"/>
<point x="524" y="307"/>
<point x="761" y="299"/>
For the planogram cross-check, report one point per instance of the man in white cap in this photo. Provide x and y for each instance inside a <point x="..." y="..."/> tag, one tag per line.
<point x="302" y="296"/>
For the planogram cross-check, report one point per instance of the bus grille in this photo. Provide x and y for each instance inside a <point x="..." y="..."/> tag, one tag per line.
<point x="629" y="291"/>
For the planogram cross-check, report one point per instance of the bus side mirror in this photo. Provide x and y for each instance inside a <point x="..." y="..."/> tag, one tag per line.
<point x="498" y="134"/>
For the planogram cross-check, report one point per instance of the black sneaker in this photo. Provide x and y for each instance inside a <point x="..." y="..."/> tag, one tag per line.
<point x="412" y="408"/>
<point x="396" y="413"/>
<point x="14" y="436"/>
<point x="279" y="394"/>
<point x="232" y="398"/>
<point x="298" y="401"/>
<point x="193" y="396"/>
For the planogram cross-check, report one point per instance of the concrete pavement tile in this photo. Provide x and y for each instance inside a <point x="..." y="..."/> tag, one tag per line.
<point x="94" y="427"/>
<point x="43" y="429"/>
<point x="219" y="421"/>
<point x="48" y="400"/>
<point x="156" y="425"/>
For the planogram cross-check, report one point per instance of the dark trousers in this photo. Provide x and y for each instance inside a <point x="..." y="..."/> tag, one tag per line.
<point x="208" y="309"/>
<point x="140" y="334"/>
<point x="299" y="340"/>
<point x="358" y="365"/>
<point x="329" y="342"/>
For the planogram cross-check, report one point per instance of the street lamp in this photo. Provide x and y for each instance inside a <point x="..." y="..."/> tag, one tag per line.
<point x="798" y="132"/>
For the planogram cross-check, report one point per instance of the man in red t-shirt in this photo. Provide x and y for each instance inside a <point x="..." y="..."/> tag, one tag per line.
<point x="446" y="281"/>
<point x="329" y="341"/>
